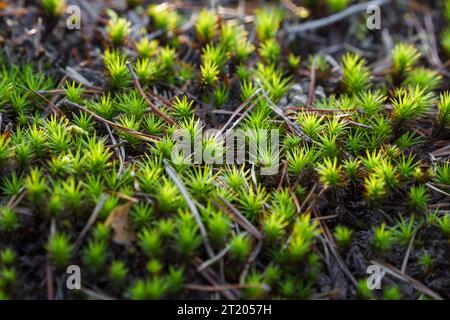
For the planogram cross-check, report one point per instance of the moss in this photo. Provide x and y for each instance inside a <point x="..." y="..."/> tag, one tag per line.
<point x="53" y="8"/>
<point x="350" y="159"/>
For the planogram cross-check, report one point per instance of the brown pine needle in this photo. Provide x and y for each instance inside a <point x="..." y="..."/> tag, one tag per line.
<point x="138" y="86"/>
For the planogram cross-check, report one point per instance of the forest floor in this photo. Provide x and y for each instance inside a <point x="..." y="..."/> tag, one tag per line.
<point x="87" y="122"/>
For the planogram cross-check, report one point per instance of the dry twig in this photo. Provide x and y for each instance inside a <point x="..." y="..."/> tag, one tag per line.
<point x="173" y="175"/>
<point x="138" y="86"/>
<point x="324" y="22"/>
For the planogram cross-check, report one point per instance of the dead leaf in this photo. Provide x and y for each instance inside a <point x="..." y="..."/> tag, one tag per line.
<point x="119" y="221"/>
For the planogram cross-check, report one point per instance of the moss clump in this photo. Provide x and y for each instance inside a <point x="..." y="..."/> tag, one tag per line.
<point x="91" y="173"/>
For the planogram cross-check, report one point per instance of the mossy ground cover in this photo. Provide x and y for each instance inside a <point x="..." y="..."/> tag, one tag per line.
<point x="88" y="176"/>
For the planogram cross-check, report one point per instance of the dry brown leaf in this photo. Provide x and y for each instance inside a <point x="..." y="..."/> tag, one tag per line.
<point x="119" y="221"/>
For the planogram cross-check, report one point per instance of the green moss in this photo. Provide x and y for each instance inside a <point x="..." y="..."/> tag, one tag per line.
<point x="60" y="249"/>
<point x="117" y="28"/>
<point x="382" y="239"/>
<point x="337" y="5"/>
<point x="206" y="25"/>
<point x="343" y="236"/>
<point x="9" y="221"/>
<point x="359" y="148"/>
<point x="356" y="75"/>
<point x="54" y="8"/>
<point x="404" y="57"/>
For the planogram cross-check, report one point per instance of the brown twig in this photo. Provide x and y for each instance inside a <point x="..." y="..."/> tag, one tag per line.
<point x="62" y="91"/>
<point x="250" y="260"/>
<point x="96" y="295"/>
<point x="399" y="275"/>
<point x="120" y="152"/>
<point x="332" y="246"/>
<point x="283" y="174"/>
<point x="49" y="267"/>
<point x="200" y="287"/>
<point x="142" y="93"/>
<point x="238" y="110"/>
<point x="15" y="200"/>
<point x="241" y="117"/>
<point x="229" y="294"/>
<point x="52" y="106"/>
<point x="293" y="126"/>
<point x="308" y="197"/>
<point x="429" y="185"/>
<point x="239" y="218"/>
<point x="408" y="251"/>
<point x="90" y="221"/>
<point x="324" y="22"/>
<point x="173" y="175"/>
<point x="75" y="75"/>
<point x="136" y="134"/>
<point x="214" y="259"/>
<point x="312" y="86"/>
